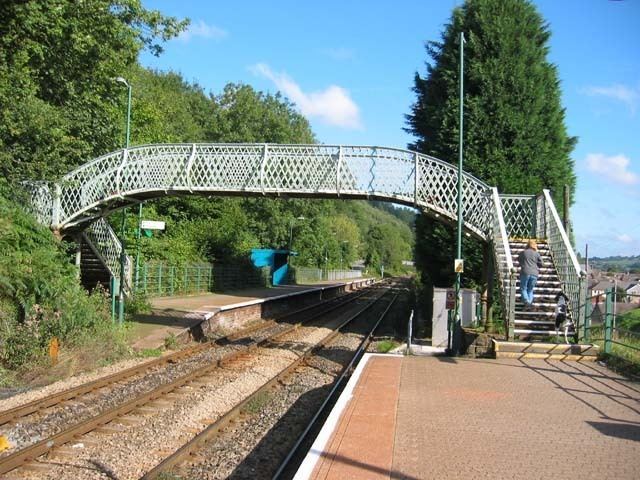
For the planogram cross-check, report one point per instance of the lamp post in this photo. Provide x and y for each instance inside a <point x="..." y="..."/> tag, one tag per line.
<point x="457" y="328"/>
<point x="341" y="252"/>
<point x="291" y="230"/>
<point x="123" y="254"/>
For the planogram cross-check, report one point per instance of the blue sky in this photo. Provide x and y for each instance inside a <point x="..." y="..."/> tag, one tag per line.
<point x="349" y="66"/>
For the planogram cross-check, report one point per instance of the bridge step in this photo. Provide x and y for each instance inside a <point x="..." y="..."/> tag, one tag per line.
<point x="552" y="351"/>
<point x="92" y="270"/>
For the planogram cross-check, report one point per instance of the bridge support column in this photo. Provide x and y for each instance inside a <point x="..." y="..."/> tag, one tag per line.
<point x="488" y="275"/>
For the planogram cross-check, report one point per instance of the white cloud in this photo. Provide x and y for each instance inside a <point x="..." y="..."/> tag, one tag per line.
<point x="202" y="30"/>
<point x="627" y="95"/>
<point x="341" y="54"/>
<point x="614" y="168"/>
<point x="332" y="105"/>
<point x="624" y="238"/>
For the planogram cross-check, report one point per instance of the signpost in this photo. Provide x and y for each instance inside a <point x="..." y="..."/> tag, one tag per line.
<point x="152" y="225"/>
<point x="451" y="299"/>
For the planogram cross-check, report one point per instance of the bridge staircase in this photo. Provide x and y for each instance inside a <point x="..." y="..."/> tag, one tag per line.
<point x="85" y="196"/>
<point x="93" y="271"/>
<point x="539" y="322"/>
<point x="100" y="257"/>
<point x="515" y="220"/>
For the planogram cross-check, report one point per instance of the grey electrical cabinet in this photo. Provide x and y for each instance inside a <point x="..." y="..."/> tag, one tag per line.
<point x="469" y="303"/>
<point x="439" y="319"/>
<point x="439" y="332"/>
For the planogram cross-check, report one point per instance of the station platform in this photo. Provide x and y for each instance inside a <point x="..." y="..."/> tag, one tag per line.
<point x="436" y="417"/>
<point x="175" y="315"/>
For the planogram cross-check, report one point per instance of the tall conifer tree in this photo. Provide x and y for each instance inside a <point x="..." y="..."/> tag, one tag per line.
<point x="514" y="136"/>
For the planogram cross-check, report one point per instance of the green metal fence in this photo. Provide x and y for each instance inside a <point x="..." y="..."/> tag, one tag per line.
<point x="603" y="325"/>
<point x="161" y="279"/>
<point x="310" y="275"/>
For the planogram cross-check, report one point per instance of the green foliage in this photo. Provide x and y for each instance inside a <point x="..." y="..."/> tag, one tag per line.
<point x="257" y="402"/>
<point x="171" y="342"/>
<point x="149" y="353"/>
<point x="59" y="104"/>
<point x="385" y="346"/>
<point x="40" y="296"/>
<point x="514" y="137"/>
<point x="629" y="264"/>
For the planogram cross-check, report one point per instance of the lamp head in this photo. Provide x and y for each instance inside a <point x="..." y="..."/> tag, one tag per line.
<point x="122" y="80"/>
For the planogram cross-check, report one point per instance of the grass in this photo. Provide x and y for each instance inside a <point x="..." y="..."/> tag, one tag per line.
<point x="149" y="352"/>
<point x="171" y="342"/>
<point x="256" y="404"/>
<point x="385" y="346"/>
<point x="622" y="359"/>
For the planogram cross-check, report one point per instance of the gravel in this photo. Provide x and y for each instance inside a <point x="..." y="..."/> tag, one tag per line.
<point x="129" y="453"/>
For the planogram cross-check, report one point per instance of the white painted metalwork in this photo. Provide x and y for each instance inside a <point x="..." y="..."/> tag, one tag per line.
<point x="107" y="246"/>
<point x="519" y="215"/>
<point x="571" y="276"/>
<point x="124" y="177"/>
<point x="504" y="262"/>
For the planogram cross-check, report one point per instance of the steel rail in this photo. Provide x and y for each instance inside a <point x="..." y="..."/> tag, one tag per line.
<point x="212" y="430"/>
<point x="54" y="399"/>
<point x="346" y="371"/>
<point x="15" y="460"/>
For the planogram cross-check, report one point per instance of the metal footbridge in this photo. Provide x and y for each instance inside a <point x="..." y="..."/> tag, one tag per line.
<point x="79" y="202"/>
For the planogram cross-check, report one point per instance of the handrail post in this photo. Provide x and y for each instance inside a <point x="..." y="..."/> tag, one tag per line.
<point x="608" y="320"/>
<point x="416" y="179"/>
<point x="338" y="168"/>
<point x="55" y="209"/>
<point x="586" y="328"/>
<point x="512" y="305"/>
<point x="582" y="312"/>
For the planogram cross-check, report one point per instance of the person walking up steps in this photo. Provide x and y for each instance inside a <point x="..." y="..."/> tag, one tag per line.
<point x="530" y="262"/>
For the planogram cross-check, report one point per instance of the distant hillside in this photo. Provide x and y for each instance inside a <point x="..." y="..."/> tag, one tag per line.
<point x="617" y="263"/>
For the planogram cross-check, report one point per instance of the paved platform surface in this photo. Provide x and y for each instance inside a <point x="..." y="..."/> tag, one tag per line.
<point x="444" y="418"/>
<point x="174" y="315"/>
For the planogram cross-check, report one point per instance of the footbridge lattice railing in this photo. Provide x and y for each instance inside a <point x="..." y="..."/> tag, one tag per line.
<point x="127" y="176"/>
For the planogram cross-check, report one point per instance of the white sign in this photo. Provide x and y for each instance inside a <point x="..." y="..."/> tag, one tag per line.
<point x="458" y="265"/>
<point x="152" y="225"/>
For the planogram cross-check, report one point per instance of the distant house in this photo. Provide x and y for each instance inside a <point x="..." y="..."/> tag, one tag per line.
<point x="633" y="293"/>
<point x="598" y="290"/>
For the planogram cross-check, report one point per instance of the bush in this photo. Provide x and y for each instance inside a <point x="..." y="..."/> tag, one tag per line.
<point x="40" y="295"/>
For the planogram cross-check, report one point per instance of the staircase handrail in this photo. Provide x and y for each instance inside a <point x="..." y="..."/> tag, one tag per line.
<point x="502" y="228"/>
<point x="571" y="276"/>
<point x="558" y="225"/>
<point x="506" y="270"/>
<point x="106" y="244"/>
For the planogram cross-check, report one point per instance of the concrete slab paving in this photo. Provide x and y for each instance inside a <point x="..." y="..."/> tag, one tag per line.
<point x="174" y="315"/>
<point x="480" y="418"/>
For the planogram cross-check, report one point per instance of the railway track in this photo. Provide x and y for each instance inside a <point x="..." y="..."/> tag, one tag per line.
<point x="229" y="350"/>
<point x="197" y="458"/>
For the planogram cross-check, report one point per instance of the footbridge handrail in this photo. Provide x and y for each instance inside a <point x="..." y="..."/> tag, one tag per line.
<point x="571" y="276"/>
<point x="328" y="171"/>
<point x="504" y="263"/>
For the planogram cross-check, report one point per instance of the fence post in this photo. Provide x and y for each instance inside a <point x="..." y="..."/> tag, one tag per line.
<point x="113" y="298"/>
<point x="144" y="278"/>
<point x="409" y="332"/>
<point x="608" y="317"/>
<point x="198" y="279"/>
<point x="160" y="278"/>
<point x="511" y="303"/>
<point x="172" y="272"/>
<point x="586" y="328"/>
